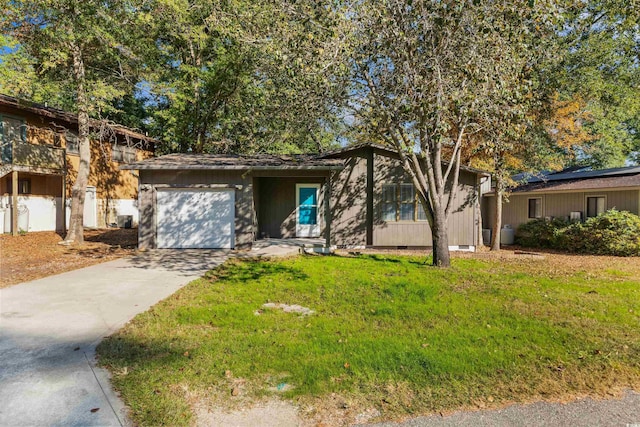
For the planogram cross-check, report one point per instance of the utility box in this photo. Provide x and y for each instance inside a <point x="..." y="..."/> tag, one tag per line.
<point x="125" y="221"/>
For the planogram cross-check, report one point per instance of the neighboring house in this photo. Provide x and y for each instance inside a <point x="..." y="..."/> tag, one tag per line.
<point x="225" y="201"/>
<point x="39" y="162"/>
<point x="573" y="194"/>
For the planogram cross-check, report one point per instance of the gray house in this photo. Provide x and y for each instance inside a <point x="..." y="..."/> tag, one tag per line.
<point x="352" y="198"/>
<point x="575" y="193"/>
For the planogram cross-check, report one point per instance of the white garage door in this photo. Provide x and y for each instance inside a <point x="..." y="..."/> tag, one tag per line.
<point x="195" y="218"/>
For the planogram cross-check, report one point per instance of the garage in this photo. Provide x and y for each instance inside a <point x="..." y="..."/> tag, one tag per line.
<point x="195" y="218"/>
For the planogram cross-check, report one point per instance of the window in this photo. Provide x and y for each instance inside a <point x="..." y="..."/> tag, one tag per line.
<point x="123" y="154"/>
<point x="595" y="206"/>
<point x="535" y="208"/>
<point x="407" y="202"/>
<point x="400" y="203"/>
<point x="24" y="185"/>
<point x="389" y="203"/>
<point x="71" y="139"/>
<point x="12" y="130"/>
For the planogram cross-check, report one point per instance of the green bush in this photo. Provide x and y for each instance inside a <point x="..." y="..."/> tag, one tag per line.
<point x="611" y="233"/>
<point x="540" y="233"/>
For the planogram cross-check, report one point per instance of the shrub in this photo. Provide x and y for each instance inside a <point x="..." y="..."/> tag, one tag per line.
<point x="540" y="233"/>
<point x="611" y="233"/>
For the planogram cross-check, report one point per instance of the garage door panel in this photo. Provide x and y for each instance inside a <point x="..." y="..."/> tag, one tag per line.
<point x="195" y="219"/>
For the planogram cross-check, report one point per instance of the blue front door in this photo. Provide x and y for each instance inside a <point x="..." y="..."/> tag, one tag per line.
<point x="307" y="224"/>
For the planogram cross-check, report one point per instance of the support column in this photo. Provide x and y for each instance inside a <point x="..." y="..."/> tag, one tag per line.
<point x="14" y="203"/>
<point x="327" y="211"/>
<point x="64" y="205"/>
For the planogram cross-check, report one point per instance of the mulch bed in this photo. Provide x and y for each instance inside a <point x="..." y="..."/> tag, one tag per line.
<point x="38" y="254"/>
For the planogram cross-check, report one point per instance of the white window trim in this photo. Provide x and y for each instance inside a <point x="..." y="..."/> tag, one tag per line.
<point x="398" y="204"/>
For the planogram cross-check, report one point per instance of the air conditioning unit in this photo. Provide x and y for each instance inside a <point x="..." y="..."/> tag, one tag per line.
<point x="575" y="216"/>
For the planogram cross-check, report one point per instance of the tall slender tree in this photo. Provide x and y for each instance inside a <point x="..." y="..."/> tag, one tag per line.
<point x="85" y="48"/>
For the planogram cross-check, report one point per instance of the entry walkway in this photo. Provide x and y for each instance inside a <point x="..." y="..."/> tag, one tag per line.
<point x="49" y="329"/>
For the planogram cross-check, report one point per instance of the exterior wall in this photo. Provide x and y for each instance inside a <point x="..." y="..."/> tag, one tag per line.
<point x="277" y="206"/>
<point x="463" y="222"/>
<point x="116" y="190"/>
<point x="558" y="205"/>
<point x="151" y="181"/>
<point x="350" y="194"/>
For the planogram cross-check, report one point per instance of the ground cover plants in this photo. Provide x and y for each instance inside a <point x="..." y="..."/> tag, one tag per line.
<point x="387" y="333"/>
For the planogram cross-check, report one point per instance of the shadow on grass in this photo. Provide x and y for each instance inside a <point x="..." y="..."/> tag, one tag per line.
<point x="253" y="269"/>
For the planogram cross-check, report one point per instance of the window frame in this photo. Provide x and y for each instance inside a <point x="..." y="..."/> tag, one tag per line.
<point x="76" y="150"/>
<point x="123" y="153"/>
<point x="586" y="204"/>
<point x="398" y="202"/>
<point x="529" y="199"/>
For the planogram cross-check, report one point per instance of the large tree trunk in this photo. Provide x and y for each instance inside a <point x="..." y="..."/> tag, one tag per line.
<point x="497" y="225"/>
<point x="441" y="255"/>
<point x="79" y="189"/>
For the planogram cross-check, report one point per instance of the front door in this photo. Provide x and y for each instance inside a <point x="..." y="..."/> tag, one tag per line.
<point x="307" y="220"/>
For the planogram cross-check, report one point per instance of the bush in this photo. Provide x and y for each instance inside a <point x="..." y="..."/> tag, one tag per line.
<point x="540" y="233"/>
<point x="611" y="233"/>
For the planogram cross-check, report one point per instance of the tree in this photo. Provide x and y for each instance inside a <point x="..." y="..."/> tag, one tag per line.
<point x="599" y="79"/>
<point x="226" y="78"/>
<point x="427" y="74"/>
<point x="85" y="48"/>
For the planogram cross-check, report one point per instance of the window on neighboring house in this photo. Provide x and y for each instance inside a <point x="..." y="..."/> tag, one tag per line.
<point x="595" y="206"/>
<point x="389" y="202"/>
<point x="71" y="139"/>
<point x="535" y="208"/>
<point x="24" y="185"/>
<point x="12" y="130"/>
<point x="123" y="153"/>
<point x="400" y="203"/>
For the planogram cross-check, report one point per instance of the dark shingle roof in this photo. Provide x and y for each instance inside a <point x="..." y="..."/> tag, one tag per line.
<point x="579" y="179"/>
<point x="235" y="162"/>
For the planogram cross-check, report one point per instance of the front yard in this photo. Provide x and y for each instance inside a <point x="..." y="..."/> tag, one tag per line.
<point x="389" y="335"/>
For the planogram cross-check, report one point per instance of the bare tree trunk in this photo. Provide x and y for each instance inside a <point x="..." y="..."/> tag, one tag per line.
<point x="440" y="235"/>
<point x="79" y="189"/>
<point x="495" y="232"/>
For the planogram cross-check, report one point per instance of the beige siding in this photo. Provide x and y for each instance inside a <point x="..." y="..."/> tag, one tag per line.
<point x="559" y="205"/>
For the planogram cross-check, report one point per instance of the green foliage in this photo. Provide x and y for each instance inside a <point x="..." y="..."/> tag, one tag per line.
<point x="388" y="332"/>
<point x="611" y="233"/>
<point x="541" y="233"/>
<point x="600" y="66"/>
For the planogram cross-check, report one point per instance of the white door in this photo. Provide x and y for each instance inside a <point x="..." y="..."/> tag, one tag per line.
<point x="189" y="218"/>
<point x="307" y="210"/>
<point x="90" y="219"/>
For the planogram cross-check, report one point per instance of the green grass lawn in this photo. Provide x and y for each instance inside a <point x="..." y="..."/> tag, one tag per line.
<point x="388" y="332"/>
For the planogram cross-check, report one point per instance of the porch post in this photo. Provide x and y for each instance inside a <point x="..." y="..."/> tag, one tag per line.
<point x="14" y="203"/>
<point x="64" y="205"/>
<point x="327" y="211"/>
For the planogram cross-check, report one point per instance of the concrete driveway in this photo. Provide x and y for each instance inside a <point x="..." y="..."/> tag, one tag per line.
<point x="49" y="329"/>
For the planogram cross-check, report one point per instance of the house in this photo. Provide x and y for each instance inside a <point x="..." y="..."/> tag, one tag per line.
<point x="355" y="197"/>
<point x="39" y="162"/>
<point x="572" y="194"/>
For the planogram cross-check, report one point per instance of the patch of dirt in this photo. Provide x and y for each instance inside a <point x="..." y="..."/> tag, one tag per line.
<point x="35" y="255"/>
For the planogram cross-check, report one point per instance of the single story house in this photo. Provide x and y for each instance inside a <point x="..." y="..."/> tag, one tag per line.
<point x="355" y="197"/>
<point x="573" y="194"/>
<point x="39" y="162"/>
